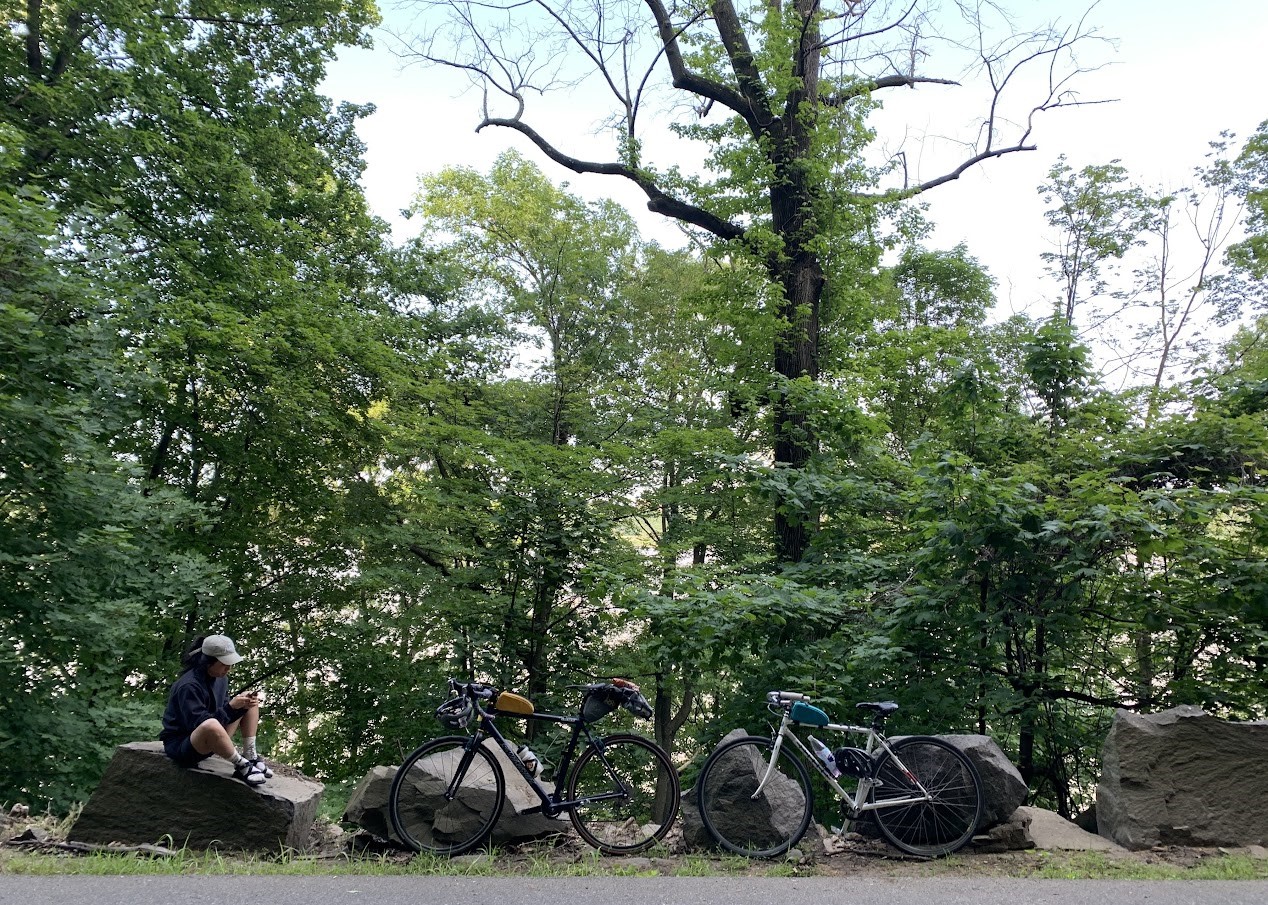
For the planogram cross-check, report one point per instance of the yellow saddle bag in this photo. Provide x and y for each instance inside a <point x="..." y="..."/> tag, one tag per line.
<point x="510" y="702"/>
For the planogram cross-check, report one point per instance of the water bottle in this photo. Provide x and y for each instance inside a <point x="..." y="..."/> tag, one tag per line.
<point x="824" y="753"/>
<point x="530" y="761"/>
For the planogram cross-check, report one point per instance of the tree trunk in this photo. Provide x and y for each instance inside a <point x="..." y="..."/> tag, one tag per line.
<point x="666" y="726"/>
<point x="800" y="275"/>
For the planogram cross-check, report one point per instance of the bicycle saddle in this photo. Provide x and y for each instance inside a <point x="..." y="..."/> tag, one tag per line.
<point x="884" y="708"/>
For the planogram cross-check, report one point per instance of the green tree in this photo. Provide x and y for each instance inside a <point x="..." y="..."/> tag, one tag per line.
<point x="782" y="96"/>
<point x="1098" y="215"/>
<point x="88" y="557"/>
<point x="1102" y="564"/>
<point x="194" y="145"/>
<point x="535" y="555"/>
<point x="927" y="361"/>
<point x="1252" y="172"/>
<point x="691" y="414"/>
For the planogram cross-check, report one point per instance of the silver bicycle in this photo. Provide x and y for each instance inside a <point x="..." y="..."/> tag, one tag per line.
<point x="756" y="799"/>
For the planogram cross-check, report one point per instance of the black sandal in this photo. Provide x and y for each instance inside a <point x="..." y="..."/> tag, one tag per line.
<point x="250" y="774"/>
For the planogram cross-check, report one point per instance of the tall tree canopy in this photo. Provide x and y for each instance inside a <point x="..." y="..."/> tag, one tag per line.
<point x="779" y="97"/>
<point x="205" y="195"/>
<point x="528" y="447"/>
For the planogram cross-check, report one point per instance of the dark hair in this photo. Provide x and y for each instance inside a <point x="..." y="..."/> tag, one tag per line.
<point x="194" y="655"/>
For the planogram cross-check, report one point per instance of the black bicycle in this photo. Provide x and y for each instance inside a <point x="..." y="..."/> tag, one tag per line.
<point x="621" y="792"/>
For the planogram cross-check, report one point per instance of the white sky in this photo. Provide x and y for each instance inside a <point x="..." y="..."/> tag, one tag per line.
<point x="1183" y="71"/>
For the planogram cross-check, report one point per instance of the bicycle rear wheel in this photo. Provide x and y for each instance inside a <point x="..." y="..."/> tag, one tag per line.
<point x="763" y="826"/>
<point x="447" y="796"/>
<point x="636" y="792"/>
<point x="946" y="820"/>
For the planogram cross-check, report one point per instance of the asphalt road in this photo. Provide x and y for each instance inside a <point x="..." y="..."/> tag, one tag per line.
<point x="211" y="890"/>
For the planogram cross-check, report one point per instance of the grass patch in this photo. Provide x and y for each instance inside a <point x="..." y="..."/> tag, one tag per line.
<point x="573" y="859"/>
<point x="484" y="864"/>
<point x="695" y="866"/>
<point x="1098" y="866"/>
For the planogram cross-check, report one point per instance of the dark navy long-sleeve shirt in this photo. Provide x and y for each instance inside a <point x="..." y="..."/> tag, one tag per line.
<point x="195" y="698"/>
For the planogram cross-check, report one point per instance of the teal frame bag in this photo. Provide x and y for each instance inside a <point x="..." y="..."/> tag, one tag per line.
<point x="808" y="714"/>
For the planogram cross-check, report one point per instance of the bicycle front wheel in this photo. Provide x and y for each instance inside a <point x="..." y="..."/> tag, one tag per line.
<point x="941" y="822"/>
<point x="742" y="820"/>
<point x="447" y="796"/>
<point x="629" y="791"/>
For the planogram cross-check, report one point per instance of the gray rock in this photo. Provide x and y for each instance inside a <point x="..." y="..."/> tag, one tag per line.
<point x="1003" y="789"/>
<point x="143" y="798"/>
<point x="775" y="815"/>
<point x="694" y="836"/>
<point x="1049" y="831"/>
<point x="1183" y="777"/>
<point x="368" y="805"/>
<point x="1010" y="836"/>
<point x="35" y="834"/>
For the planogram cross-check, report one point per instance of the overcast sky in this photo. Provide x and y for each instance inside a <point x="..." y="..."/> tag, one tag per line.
<point x="1183" y="71"/>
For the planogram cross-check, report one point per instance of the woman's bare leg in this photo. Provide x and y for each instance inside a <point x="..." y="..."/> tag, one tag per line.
<point x="212" y="738"/>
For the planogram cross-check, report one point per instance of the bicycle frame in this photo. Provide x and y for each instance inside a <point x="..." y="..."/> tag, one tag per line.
<point x="857" y="803"/>
<point x="552" y="803"/>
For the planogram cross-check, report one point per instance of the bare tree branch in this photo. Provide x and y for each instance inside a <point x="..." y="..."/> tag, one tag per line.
<point x="658" y="201"/>
<point x="889" y="81"/>
<point x="687" y="80"/>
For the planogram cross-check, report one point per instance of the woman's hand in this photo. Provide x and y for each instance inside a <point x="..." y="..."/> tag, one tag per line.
<point x="245" y="701"/>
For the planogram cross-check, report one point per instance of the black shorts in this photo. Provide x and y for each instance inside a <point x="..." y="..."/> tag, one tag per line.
<point x="183" y="752"/>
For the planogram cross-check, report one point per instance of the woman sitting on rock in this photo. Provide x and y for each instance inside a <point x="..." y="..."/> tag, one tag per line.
<point x="201" y="719"/>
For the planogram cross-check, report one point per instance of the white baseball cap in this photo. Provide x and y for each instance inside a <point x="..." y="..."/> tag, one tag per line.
<point x="221" y="647"/>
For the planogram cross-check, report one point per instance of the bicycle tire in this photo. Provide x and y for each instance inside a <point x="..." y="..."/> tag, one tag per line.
<point x="649" y="789"/>
<point x="935" y="828"/>
<point x="421" y="817"/>
<point x="758" y="828"/>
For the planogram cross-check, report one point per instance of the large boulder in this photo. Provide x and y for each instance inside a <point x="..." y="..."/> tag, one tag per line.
<point x="144" y="798"/>
<point x="1049" y="831"/>
<point x="1003" y="789"/>
<point x="776" y="815"/>
<point x="368" y="808"/>
<point x="1183" y="777"/>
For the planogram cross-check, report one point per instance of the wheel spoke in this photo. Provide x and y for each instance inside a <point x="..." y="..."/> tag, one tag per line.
<point x="947" y="819"/>
<point x="445" y="799"/>
<point x="634" y="788"/>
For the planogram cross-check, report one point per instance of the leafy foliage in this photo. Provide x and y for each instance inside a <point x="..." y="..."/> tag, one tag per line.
<point x="527" y="446"/>
<point x="89" y="556"/>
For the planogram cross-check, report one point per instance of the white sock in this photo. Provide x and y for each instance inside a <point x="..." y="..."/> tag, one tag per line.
<point x="238" y="760"/>
<point x="248" y="748"/>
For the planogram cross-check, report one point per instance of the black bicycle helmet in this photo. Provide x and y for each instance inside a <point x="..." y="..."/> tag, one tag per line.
<point x="455" y="713"/>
